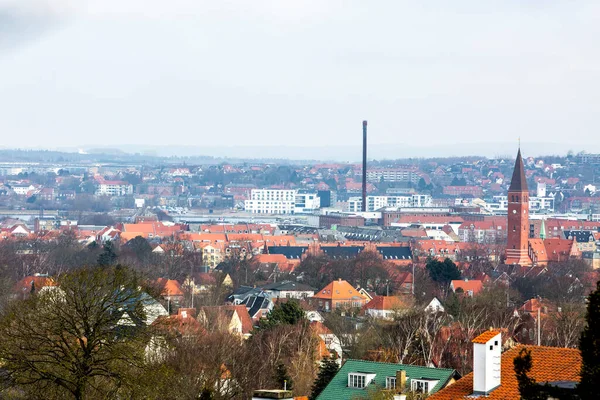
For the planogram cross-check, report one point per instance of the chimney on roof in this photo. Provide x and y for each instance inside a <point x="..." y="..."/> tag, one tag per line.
<point x="400" y="381"/>
<point x="487" y="349"/>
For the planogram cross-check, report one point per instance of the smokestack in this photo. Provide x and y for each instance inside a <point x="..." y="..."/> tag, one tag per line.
<point x="364" y="169"/>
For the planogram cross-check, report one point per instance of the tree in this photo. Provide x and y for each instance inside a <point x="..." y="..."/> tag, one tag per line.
<point x="289" y="313"/>
<point x="327" y="371"/>
<point x="108" y="256"/>
<point x="589" y="344"/>
<point x="442" y="271"/>
<point x="282" y="378"/>
<point x="69" y="342"/>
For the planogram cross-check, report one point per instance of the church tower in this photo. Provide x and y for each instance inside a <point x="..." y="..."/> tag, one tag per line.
<point x="517" y="246"/>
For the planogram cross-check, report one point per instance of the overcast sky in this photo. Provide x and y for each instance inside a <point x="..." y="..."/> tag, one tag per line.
<point x="287" y="72"/>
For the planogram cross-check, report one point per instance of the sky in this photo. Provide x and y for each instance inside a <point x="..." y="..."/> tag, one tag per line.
<point x="293" y="77"/>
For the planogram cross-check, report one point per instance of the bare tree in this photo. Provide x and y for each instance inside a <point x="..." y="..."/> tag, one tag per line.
<point x="71" y="341"/>
<point x="564" y="326"/>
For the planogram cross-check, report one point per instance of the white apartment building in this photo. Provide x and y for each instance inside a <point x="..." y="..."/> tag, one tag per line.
<point x="22" y="189"/>
<point x="393" y="175"/>
<point x="500" y="203"/>
<point x="271" y="201"/>
<point x="114" y="188"/>
<point x="375" y="203"/>
<point x="306" y="202"/>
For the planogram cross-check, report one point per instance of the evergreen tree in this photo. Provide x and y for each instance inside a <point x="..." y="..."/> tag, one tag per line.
<point x="108" y="256"/>
<point x="589" y="344"/>
<point x="282" y="378"/>
<point x="442" y="271"/>
<point x="327" y="371"/>
<point x="289" y="313"/>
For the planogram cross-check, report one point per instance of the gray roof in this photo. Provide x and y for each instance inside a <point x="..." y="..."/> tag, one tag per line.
<point x="289" y="286"/>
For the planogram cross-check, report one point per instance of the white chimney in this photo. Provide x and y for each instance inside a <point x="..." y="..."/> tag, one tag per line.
<point x="487" y="353"/>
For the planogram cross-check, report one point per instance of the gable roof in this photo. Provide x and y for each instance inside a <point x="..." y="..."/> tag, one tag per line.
<point x="338" y="387"/>
<point x="35" y="282"/>
<point x="518" y="183"/>
<point x="289" y="286"/>
<point x="385" y="303"/>
<point x="486" y="336"/>
<point x="550" y="364"/>
<point x="212" y="313"/>
<point x="169" y="287"/>
<point x="473" y="285"/>
<point x="339" y="290"/>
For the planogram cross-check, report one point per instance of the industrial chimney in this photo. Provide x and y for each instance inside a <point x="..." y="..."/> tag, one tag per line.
<point x="364" y="168"/>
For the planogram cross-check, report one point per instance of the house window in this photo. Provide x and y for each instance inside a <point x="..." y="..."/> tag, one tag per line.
<point x="356" y="381"/>
<point x="390" y="382"/>
<point x="421" y="386"/>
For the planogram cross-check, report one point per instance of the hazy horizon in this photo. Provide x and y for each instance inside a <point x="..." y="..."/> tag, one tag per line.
<point x="350" y="152"/>
<point x="276" y="75"/>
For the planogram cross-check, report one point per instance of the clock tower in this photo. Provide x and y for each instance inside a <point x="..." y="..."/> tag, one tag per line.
<point x="517" y="246"/>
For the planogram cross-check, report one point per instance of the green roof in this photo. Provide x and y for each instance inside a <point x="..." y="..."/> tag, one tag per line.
<point x="338" y="387"/>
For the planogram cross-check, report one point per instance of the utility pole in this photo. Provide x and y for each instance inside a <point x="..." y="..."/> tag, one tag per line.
<point x="413" y="279"/>
<point x="539" y="330"/>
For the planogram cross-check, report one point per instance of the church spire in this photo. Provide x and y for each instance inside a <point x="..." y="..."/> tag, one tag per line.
<point x="519" y="181"/>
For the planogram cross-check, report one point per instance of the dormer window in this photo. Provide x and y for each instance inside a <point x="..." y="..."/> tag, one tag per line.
<point x="359" y="380"/>
<point x="390" y="382"/>
<point x="422" y="385"/>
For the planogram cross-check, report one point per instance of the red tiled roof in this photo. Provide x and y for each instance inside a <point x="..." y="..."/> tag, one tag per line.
<point x="38" y="282"/>
<point x="384" y="303"/>
<point x="472" y="285"/>
<point x="338" y="290"/>
<point x="549" y="364"/>
<point x="170" y="287"/>
<point x="486" y="337"/>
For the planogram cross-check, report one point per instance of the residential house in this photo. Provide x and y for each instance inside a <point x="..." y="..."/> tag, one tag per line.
<point x="332" y="342"/>
<point x="275" y="263"/>
<point x="337" y="294"/>
<point x="170" y="290"/>
<point x="385" y="307"/>
<point x="468" y="287"/>
<point x="434" y="306"/>
<point x="356" y="377"/>
<point x="230" y="318"/>
<point x="258" y="305"/>
<point x="33" y="284"/>
<point x="289" y="289"/>
<point x="494" y="377"/>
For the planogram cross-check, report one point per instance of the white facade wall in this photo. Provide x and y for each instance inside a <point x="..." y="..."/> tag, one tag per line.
<point x="393" y="175"/>
<point x="290" y="294"/>
<point x="22" y="190"/>
<point x="377" y="202"/>
<point x="306" y="202"/>
<point x="109" y="189"/>
<point x="271" y="201"/>
<point x="500" y="203"/>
